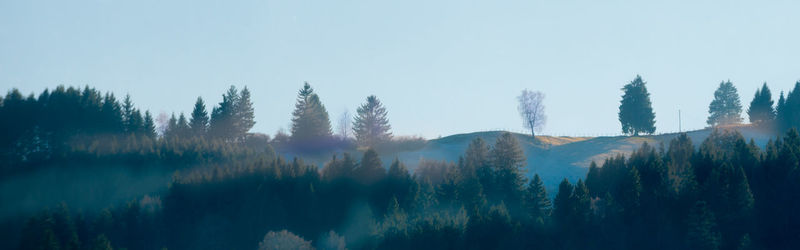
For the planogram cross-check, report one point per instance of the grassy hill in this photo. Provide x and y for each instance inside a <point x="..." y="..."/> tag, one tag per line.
<point x="555" y="158"/>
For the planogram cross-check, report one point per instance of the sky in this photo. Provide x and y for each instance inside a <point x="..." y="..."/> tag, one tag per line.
<point x="440" y="67"/>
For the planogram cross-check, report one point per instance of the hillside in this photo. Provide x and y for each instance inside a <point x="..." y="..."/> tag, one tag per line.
<point x="555" y="158"/>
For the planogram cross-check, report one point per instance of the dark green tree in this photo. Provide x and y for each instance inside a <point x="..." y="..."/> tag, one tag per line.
<point x="371" y="126"/>
<point x="149" y="126"/>
<point x="702" y="228"/>
<point x="222" y="124"/>
<point x="761" y="110"/>
<point x="310" y="120"/>
<point x="536" y="202"/>
<point x="244" y="115"/>
<point x="635" y="110"/>
<point x="199" y="120"/>
<point x="370" y="170"/>
<point x="726" y="107"/>
<point x="508" y="160"/>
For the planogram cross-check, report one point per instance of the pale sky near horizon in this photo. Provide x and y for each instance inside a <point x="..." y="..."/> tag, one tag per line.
<point x="440" y="67"/>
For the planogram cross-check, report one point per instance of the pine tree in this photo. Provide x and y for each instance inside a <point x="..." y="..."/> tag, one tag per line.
<point x="702" y="228"/>
<point x="371" y="126"/>
<point x="199" y="120"/>
<point x="761" y="110"/>
<point x="183" y="130"/>
<point x="508" y="159"/>
<point x="789" y="109"/>
<point x="635" y="110"/>
<point x="563" y="206"/>
<point x="726" y="107"/>
<point x="245" y="114"/>
<point x="223" y="117"/>
<point x="149" y="125"/>
<point x="536" y="202"/>
<point x="310" y="120"/>
<point x="370" y="170"/>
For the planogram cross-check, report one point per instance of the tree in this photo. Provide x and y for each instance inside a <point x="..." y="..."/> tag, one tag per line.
<point x="635" y="110"/>
<point x="726" y="107"/>
<point x="789" y="109"/>
<point x="310" y="119"/>
<point x="370" y="170"/>
<point x="149" y="125"/>
<point x="224" y="117"/>
<point x="702" y="228"/>
<point x="244" y="114"/>
<point x="344" y="125"/>
<point x="371" y="126"/>
<point x="536" y="202"/>
<point x="761" y="110"/>
<point x="283" y="240"/>
<point x="531" y="108"/>
<point x="507" y="161"/>
<point x="199" y="120"/>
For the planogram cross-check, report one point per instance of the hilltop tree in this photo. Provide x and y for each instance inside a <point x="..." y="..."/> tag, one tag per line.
<point x="789" y="109"/>
<point x="761" y="110"/>
<point x="531" y="108"/>
<point x="221" y="124"/>
<point x="726" y="107"/>
<point x="371" y="126"/>
<point x="245" y="114"/>
<point x="310" y="118"/>
<point x="199" y="119"/>
<point x="635" y="110"/>
<point x="149" y="125"/>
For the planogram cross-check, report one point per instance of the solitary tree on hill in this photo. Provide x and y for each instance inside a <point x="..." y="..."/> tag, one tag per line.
<point x="531" y="108"/>
<point x="635" y="110"/>
<point x="726" y="107"/>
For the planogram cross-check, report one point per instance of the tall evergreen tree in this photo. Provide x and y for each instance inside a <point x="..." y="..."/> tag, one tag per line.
<point x="508" y="159"/>
<point x="702" y="228"/>
<point x="371" y="126"/>
<point x="789" y="109"/>
<point x="310" y="120"/>
<point x="149" y="125"/>
<point x="199" y="120"/>
<point x="635" y="110"/>
<point x="537" y="203"/>
<point x="726" y="107"/>
<point x="370" y="170"/>
<point x="761" y="110"/>
<point x="223" y="117"/>
<point x="245" y="114"/>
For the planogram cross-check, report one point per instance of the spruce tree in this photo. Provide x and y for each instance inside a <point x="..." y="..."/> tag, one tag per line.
<point x="310" y="120"/>
<point x="789" y="109"/>
<point x="761" y="110"/>
<point x="149" y="125"/>
<point x="702" y="228"/>
<point x="726" y="107"/>
<point x="371" y="126"/>
<point x="536" y="202"/>
<point x="370" y="170"/>
<point x="245" y="114"/>
<point x="635" y="110"/>
<point x="508" y="159"/>
<point x="199" y="119"/>
<point x="223" y="117"/>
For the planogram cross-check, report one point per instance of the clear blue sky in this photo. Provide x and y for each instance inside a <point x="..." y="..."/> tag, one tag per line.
<point x="440" y="67"/>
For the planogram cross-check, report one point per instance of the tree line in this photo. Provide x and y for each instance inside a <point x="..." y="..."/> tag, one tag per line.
<point x="725" y="193"/>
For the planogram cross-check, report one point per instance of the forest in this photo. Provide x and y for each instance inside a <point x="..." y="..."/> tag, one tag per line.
<point x="233" y="189"/>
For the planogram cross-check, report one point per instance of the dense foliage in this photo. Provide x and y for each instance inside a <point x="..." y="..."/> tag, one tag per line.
<point x="726" y="107"/>
<point x="635" y="109"/>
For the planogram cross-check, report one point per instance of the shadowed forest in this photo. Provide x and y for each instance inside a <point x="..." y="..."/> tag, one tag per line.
<point x="82" y="169"/>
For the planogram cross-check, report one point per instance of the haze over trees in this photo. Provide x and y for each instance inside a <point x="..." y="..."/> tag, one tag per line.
<point x="726" y="107"/>
<point x="371" y="126"/>
<point x="635" y="110"/>
<point x="531" y="108"/>
<point x="230" y="190"/>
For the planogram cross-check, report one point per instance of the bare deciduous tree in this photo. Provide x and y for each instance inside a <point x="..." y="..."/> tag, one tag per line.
<point x="344" y="125"/>
<point x="531" y="108"/>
